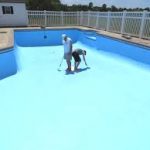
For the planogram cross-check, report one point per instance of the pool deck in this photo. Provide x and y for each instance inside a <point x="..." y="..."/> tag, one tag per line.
<point x="7" y="35"/>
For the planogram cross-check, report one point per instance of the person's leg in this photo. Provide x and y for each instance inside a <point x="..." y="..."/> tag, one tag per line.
<point x="78" y="62"/>
<point x="68" y="60"/>
<point x="74" y="54"/>
<point x="77" y="65"/>
<point x="69" y="65"/>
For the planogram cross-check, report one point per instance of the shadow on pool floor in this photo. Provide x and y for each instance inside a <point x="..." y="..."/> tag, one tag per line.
<point x="77" y="71"/>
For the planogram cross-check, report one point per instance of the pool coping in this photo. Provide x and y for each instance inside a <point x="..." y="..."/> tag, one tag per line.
<point x="7" y="36"/>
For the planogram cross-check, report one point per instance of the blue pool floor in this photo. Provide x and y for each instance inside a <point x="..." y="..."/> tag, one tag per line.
<point x="106" y="107"/>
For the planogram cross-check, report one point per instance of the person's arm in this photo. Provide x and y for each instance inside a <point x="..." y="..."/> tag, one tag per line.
<point x="84" y="59"/>
<point x="63" y="41"/>
<point x="70" y="46"/>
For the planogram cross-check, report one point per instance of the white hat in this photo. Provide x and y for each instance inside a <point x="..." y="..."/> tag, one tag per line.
<point x="64" y="35"/>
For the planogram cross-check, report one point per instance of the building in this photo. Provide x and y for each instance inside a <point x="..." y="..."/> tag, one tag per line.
<point x="13" y="13"/>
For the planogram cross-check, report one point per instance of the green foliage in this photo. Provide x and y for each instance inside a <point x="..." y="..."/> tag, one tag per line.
<point x="90" y="6"/>
<point x="43" y="5"/>
<point x="55" y="5"/>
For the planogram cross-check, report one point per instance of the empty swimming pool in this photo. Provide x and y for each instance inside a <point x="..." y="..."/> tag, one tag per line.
<point x="104" y="107"/>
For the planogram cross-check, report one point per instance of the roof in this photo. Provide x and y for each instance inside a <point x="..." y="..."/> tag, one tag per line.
<point x="12" y="1"/>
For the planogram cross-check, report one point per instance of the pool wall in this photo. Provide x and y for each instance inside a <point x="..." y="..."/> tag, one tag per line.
<point x="44" y="37"/>
<point x="8" y="64"/>
<point x="119" y="47"/>
<point x="88" y="37"/>
<point x="128" y="50"/>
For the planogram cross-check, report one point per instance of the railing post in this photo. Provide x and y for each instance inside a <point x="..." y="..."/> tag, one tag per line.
<point x="81" y="17"/>
<point x="89" y="18"/>
<point x="78" y="18"/>
<point x="97" y="20"/>
<point x="123" y="21"/>
<point x="28" y="13"/>
<point x="45" y="18"/>
<point x="62" y="18"/>
<point x="108" y="21"/>
<point x="142" y="24"/>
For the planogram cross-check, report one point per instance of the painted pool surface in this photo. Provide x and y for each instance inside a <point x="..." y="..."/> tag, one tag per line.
<point x="104" y="107"/>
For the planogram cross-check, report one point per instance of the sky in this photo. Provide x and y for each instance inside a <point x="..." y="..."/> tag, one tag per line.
<point x="118" y="3"/>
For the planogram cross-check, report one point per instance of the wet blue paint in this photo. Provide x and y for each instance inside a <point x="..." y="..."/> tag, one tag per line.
<point x="104" y="107"/>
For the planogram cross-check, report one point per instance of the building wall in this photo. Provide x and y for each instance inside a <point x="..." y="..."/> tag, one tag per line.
<point x="19" y="18"/>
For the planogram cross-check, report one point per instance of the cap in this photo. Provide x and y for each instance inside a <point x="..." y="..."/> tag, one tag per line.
<point x="64" y="35"/>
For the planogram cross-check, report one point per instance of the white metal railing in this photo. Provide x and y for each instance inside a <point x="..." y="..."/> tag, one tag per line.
<point x="131" y="23"/>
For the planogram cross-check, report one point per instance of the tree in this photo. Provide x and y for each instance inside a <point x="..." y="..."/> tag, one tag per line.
<point x="84" y="8"/>
<point x="90" y="6"/>
<point x="104" y="7"/>
<point x="64" y="7"/>
<point x="43" y="4"/>
<point x="147" y="9"/>
<point x="113" y="8"/>
<point x="96" y="8"/>
<point x="55" y="5"/>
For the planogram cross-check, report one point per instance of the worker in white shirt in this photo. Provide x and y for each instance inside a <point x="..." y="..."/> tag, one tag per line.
<point x="67" y="42"/>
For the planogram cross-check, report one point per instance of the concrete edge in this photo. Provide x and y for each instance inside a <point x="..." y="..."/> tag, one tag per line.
<point x="8" y="38"/>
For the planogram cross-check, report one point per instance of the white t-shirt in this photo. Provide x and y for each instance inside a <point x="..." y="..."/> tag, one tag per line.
<point x="67" y="45"/>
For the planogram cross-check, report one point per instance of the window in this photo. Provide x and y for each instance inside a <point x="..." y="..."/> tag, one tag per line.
<point x="7" y="9"/>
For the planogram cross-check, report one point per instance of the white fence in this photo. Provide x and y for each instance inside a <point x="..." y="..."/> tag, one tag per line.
<point x="131" y="23"/>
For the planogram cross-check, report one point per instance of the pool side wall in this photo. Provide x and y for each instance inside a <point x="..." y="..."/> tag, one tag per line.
<point x="44" y="37"/>
<point x="126" y="49"/>
<point x="8" y="64"/>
